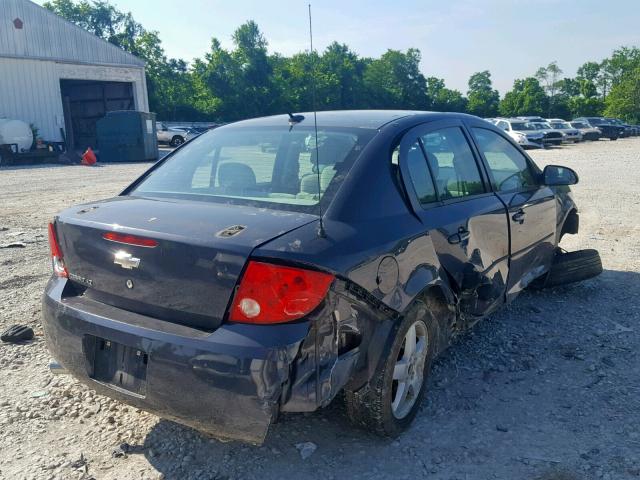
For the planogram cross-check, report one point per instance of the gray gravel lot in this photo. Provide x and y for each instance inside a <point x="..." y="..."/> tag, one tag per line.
<point x="547" y="388"/>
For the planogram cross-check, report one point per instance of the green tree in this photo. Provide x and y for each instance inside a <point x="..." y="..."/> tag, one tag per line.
<point x="623" y="61"/>
<point x="624" y="99"/>
<point x="588" y="71"/>
<point x="168" y="81"/>
<point x="526" y="98"/>
<point x="483" y="100"/>
<point x="253" y="84"/>
<point x="549" y="77"/>
<point x="395" y="81"/>
<point x="343" y="72"/>
<point x="219" y="75"/>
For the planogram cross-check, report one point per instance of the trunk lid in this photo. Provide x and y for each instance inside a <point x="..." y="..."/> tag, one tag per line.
<point x="189" y="277"/>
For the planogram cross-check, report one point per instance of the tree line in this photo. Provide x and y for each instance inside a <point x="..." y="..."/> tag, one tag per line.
<point x="247" y="81"/>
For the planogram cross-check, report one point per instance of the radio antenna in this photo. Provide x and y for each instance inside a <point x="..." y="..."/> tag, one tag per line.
<point x="321" y="231"/>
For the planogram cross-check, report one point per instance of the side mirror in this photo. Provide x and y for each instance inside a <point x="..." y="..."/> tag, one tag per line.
<point x="555" y="175"/>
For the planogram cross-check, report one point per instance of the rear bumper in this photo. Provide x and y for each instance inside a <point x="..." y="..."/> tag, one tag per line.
<point x="228" y="383"/>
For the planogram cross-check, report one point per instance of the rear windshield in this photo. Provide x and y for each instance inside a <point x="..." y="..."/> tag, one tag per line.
<point x="522" y="126"/>
<point x="274" y="167"/>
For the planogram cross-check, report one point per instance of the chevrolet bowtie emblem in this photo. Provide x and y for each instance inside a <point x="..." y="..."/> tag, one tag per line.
<point x="125" y="260"/>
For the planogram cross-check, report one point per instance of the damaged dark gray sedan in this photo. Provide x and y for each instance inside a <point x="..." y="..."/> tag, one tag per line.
<point x="266" y="266"/>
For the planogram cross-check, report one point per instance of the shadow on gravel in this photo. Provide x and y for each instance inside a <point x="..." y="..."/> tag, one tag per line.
<point x="500" y="402"/>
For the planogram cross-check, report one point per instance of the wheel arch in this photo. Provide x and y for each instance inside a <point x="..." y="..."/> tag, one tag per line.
<point x="570" y="224"/>
<point x="440" y="301"/>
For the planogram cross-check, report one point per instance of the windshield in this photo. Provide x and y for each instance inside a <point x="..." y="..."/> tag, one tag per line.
<point x="262" y="166"/>
<point x="560" y="125"/>
<point x="579" y="125"/>
<point x="522" y="126"/>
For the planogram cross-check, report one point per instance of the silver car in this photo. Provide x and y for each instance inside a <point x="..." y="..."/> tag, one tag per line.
<point x="588" y="132"/>
<point x="174" y="136"/>
<point x="569" y="134"/>
<point x="552" y="136"/>
<point x="524" y="133"/>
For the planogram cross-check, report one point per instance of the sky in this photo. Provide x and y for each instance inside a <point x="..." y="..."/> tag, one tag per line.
<point x="510" y="38"/>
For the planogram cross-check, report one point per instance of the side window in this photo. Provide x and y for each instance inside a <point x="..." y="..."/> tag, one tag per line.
<point x="510" y="168"/>
<point x="420" y="176"/>
<point x="452" y="163"/>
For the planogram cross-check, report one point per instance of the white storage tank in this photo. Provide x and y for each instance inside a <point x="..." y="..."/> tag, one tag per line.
<point x="16" y="131"/>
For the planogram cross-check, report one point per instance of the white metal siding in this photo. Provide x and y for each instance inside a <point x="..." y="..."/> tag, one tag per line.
<point x="29" y="92"/>
<point x="30" y="89"/>
<point x="47" y="49"/>
<point x="47" y="36"/>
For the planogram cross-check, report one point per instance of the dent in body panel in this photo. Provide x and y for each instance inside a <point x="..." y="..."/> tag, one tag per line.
<point x="532" y="223"/>
<point x="471" y="239"/>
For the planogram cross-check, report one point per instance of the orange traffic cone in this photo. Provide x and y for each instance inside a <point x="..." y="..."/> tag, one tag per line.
<point x="89" y="158"/>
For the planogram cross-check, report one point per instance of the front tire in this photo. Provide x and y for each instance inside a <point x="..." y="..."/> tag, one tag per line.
<point x="571" y="267"/>
<point x="389" y="402"/>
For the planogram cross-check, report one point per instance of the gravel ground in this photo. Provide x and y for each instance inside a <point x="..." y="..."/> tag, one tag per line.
<point x="547" y="388"/>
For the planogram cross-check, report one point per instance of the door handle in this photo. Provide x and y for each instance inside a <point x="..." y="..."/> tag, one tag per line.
<point x="519" y="216"/>
<point x="462" y="235"/>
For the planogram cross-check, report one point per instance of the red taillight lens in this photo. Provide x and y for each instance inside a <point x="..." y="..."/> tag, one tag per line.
<point x="275" y="294"/>
<point x="130" y="240"/>
<point x="56" y="254"/>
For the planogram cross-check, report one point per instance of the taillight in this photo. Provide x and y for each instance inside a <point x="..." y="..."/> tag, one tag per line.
<point x="130" y="239"/>
<point x="271" y="293"/>
<point x="56" y="254"/>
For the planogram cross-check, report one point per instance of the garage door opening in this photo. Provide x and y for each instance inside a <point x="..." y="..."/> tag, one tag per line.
<point x="86" y="102"/>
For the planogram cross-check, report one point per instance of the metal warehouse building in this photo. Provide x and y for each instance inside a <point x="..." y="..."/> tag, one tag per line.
<point x="61" y="78"/>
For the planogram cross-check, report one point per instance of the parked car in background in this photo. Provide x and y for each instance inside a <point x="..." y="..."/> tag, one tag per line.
<point x="569" y="133"/>
<point x="533" y="119"/>
<point x="174" y="136"/>
<point x="227" y="285"/>
<point x="523" y="133"/>
<point x="552" y="136"/>
<point x="607" y="130"/>
<point x="627" y="131"/>
<point x="588" y="132"/>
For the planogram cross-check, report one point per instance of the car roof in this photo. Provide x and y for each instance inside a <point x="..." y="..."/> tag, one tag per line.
<point x="373" y="119"/>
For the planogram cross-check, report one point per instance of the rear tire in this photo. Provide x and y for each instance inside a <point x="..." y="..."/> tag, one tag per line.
<point x="378" y="406"/>
<point x="571" y="267"/>
<point x="176" y="141"/>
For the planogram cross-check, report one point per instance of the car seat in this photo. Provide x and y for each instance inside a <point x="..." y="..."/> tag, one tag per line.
<point x="331" y="152"/>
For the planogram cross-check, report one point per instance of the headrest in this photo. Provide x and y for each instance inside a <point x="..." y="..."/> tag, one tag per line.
<point x="236" y="176"/>
<point x="332" y="150"/>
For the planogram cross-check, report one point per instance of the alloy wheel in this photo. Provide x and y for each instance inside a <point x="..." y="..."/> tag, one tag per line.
<point x="408" y="372"/>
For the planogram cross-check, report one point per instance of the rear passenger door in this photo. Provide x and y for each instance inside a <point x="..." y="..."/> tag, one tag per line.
<point x="531" y="208"/>
<point x="466" y="221"/>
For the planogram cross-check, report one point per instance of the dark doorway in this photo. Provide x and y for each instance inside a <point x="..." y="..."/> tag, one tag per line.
<point x="87" y="101"/>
